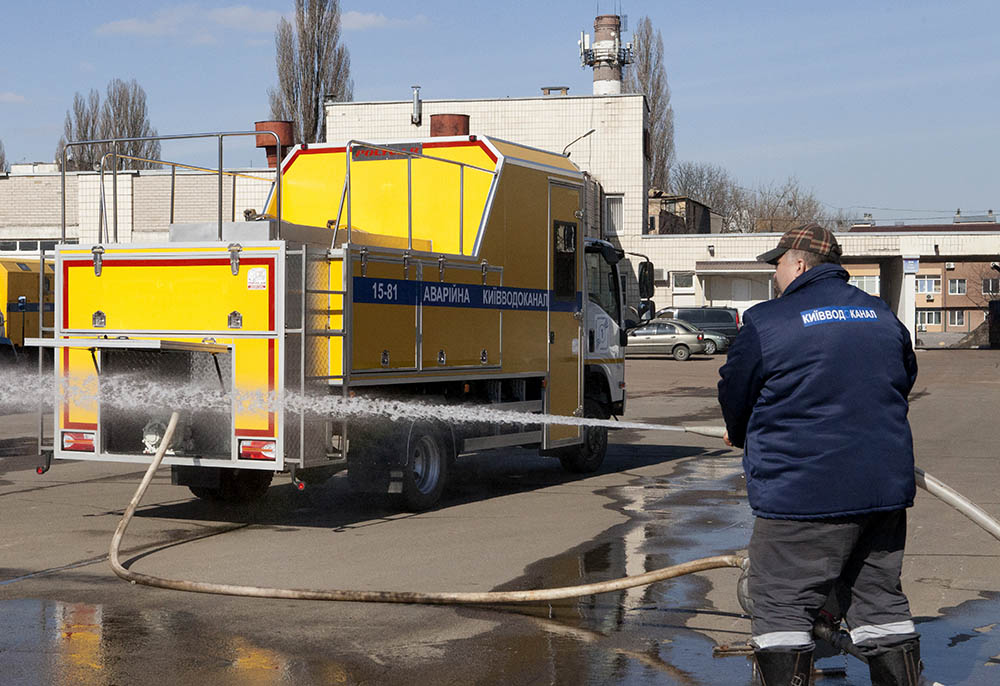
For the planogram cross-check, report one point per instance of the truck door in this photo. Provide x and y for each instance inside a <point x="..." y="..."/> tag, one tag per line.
<point x="564" y="390"/>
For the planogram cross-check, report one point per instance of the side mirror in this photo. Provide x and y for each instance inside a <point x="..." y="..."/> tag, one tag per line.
<point x="645" y="280"/>
<point x="622" y="337"/>
<point x="647" y="310"/>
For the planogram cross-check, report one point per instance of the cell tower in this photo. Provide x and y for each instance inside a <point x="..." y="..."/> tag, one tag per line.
<point x="606" y="54"/>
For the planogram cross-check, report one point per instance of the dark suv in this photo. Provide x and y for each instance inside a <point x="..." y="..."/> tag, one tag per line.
<point x="724" y="320"/>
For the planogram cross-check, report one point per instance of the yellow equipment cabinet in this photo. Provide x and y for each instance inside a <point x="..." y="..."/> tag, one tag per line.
<point x="20" y="302"/>
<point x="451" y="271"/>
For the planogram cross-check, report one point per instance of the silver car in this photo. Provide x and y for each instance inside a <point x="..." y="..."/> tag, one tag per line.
<point x="715" y="342"/>
<point x="666" y="336"/>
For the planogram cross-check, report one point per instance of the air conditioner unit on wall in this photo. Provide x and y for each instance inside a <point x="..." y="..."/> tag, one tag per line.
<point x="949" y="265"/>
<point x="930" y="298"/>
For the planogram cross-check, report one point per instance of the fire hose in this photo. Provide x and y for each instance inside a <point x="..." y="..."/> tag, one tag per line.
<point x="924" y="480"/>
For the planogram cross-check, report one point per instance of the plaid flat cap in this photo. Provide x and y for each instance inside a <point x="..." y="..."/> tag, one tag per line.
<point x="809" y="238"/>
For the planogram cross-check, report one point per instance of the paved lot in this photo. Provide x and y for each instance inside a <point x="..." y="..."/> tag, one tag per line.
<point x="510" y="521"/>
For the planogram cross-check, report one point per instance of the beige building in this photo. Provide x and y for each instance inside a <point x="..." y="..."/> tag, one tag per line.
<point x="148" y="201"/>
<point x="904" y="268"/>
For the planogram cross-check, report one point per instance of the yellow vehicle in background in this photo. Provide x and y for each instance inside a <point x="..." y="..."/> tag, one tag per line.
<point x="20" y="302"/>
<point x="449" y="271"/>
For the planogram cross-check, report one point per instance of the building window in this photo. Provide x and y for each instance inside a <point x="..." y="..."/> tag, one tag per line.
<point x="991" y="286"/>
<point x="956" y="317"/>
<point x="928" y="284"/>
<point x="683" y="281"/>
<point x="956" y="286"/>
<point x="928" y="317"/>
<point x="614" y="215"/>
<point x="868" y="283"/>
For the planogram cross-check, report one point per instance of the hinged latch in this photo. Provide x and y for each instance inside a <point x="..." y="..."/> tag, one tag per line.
<point x="578" y="214"/>
<point x="98" y="252"/>
<point x="406" y="265"/>
<point x="364" y="261"/>
<point x="234" y="257"/>
<point x="486" y="268"/>
<point x="578" y="315"/>
<point x="441" y="261"/>
<point x="578" y="412"/>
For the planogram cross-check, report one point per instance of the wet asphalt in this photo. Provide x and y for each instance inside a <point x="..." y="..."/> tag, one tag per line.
<point x="667" y="499"/>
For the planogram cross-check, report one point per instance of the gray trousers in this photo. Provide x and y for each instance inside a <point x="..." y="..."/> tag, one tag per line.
<point x="796" y="564"/>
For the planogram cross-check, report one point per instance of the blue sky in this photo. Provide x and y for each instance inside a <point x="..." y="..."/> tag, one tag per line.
<point x="869" y="104"/>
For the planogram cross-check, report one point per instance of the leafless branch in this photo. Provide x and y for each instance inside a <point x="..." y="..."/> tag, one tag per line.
<point x="648" y="75"/>
<point x="312" y="63"/>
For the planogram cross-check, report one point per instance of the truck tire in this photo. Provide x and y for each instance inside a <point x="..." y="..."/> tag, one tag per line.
<point x="244" y="486"/>
<point x="425" y="471"/>
<point x="206" y="493"/>
<point x="587" y="457"/>
<point x="681" y="353"/>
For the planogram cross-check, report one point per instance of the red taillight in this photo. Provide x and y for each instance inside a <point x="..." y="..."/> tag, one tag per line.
<point x="78" y="441"/>
<point x="738" y="325"/>
<point x="701" y="337"/>
<point x="257" y="450"/>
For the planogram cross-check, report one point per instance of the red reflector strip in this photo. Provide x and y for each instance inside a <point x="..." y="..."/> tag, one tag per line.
<point x="257" y="450"/>
<point x="78" y="442"/>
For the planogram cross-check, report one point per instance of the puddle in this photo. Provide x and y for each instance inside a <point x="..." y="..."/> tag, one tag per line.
<point x="51" y="643"/>
<point x="649" y="635"/>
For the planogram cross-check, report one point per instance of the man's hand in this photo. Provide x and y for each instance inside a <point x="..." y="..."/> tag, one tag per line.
<point x="725" y="439"/>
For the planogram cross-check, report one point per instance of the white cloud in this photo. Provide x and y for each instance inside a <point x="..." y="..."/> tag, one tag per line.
<point x="8" y="98"/>
<point x="165" y="22"/>
<point x="363" y="21"/>
<point x="194" y="22"/>
<point x="245" y="18"/>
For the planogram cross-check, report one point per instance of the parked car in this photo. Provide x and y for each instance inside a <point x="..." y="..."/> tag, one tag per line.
<point x="725" y="320"/>
<point x="715" y="342"/>
<point x="679" y="339"/>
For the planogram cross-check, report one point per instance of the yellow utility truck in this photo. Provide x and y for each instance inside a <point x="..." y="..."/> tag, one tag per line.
<point x="451" y="272"/>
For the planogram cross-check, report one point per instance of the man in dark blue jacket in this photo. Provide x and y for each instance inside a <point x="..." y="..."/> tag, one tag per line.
<point x="815" y="390"/>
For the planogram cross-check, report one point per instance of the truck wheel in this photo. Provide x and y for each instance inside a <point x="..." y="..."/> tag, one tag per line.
<point x="244" y="486"/>
<point x="426" y="470"/>
<point x="681" y="353"/>
<point x="588" y="457"/>
<point x="206" y="493"/>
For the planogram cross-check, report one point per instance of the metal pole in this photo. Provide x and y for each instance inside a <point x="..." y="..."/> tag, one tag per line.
<point x="349" y="152"/>
<point x="278" y="182"/>
<point x="461" y="210"/>
<point x="114" y="190"/>
<point x="173" y="190"/>
<point x="220" y="187"/>
<point x="409" y="203"/>
<point x="234" y="198"/>
<point x="63" y="232"/>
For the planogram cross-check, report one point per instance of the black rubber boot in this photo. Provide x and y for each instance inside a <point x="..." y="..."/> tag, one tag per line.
<point x="899" y="666"/>
<point x="784" y="667"/>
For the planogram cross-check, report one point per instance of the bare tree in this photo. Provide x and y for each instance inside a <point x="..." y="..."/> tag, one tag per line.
<point x="712" y="185"/>
<point x="648" y="75"/>
<point x="83" y="123"/>
<point x="125" y="115"/>
<point x="3" y="158"/>
<point x="122" y="114"/>
<point x="312" y="63"/>
<point x="780" y="208"/>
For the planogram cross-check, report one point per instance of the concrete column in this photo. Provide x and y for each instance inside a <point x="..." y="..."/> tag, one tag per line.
<point x="898" y="289"/>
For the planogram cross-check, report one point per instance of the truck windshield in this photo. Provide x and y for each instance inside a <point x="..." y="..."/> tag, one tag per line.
<point x="602" y="285"/>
